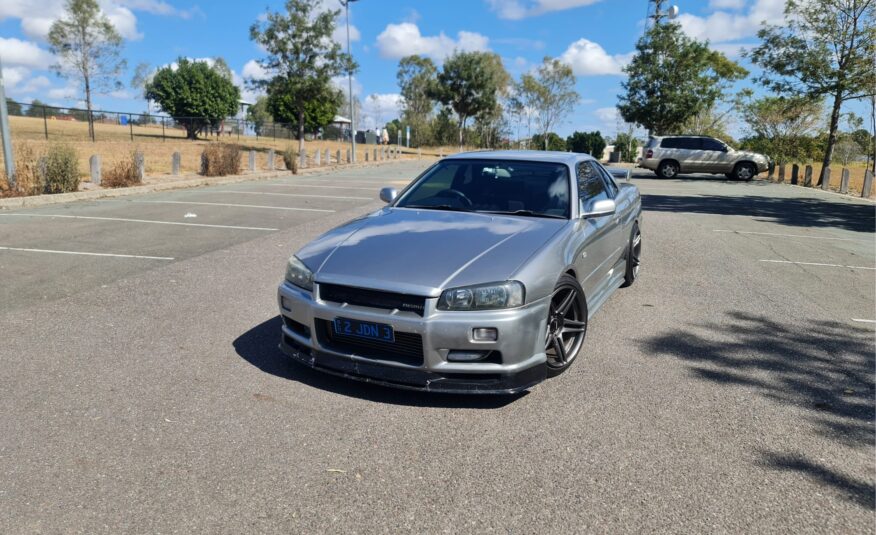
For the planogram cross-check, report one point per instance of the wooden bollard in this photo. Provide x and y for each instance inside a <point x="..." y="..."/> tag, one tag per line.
<point x="844" y="184"/>
<point x="252" y="160"/>
<point x="825" y="178"/>
<point x="94" y="163"/>
<point x="375" y="154"/>
<point x="140" y="165"/>
<point x="868" y="184"/>
<point x="349" y="156"/>
<point x="176" y="161"/>
<point x="795" y="174"/>
<point x="781" y="173"/>
<point x="316" y="161"/>
<point x="807" y="176"/>
<point x="366" y="156"/>
<point x="302" y="159"/>
<point x="271" y="159"/>
<point x="338" y="157"/>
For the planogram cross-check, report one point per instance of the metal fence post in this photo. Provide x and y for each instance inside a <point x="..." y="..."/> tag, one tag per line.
<point x="844" y="184"/>
<point x="45" y="124"/>
<point x="163" y="138"/>
<point x="825" y="178"/>
<point x="807" y="176"/>
<point x="238" y="130"/>
<point x="131" y="125"/>
<point x="795" y="174"/>
<point x="868" y="184"/>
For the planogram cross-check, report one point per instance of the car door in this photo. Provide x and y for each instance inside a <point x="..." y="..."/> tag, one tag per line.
<point x="593" y="256"/>
<point x="691" y="154"/>
<point x="619" y="234"/>
<point x="715" y="158"/>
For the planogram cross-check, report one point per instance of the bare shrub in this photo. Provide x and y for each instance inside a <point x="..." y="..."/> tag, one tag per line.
<point x="61" y="173"/>
<point x="123" y="174"/>
<point x="220" y="159"/>
<point x="28" y="180"/>
<point x="290" y="158"/>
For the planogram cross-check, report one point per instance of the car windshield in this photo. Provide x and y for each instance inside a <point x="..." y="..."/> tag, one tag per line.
<point x="533" y="189"/>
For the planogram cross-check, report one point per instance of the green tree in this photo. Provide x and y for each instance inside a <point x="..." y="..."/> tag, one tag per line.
<point x="549" y="142"/>
<point x="627" y="145"/>
<point x="259" y="115"/>
<point x="310" y="116"/>
<point x="88" y="47"/>
<point x="556" y="97"/>
<point x="824" y="49"/>
<point x="303" y="58"/>
<point x="591" y="143"/>
<point x="36" y="108"/>
<point x="780" y="124"/>
<point x="671" y="78"/>
<point x="471" y="83"/>
<point x="14" y="108"/>
<point x="194" y="94"/>
<point x="417" y="76"/>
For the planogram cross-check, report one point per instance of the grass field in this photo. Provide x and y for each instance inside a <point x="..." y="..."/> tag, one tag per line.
<point x="113" y="143"/>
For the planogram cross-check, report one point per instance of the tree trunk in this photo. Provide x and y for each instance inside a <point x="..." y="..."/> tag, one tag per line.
<point x="831" y="136"/>
<point x="300" y="131"/>
<point x="461" y="130"/>
<point x="88" y="107"/>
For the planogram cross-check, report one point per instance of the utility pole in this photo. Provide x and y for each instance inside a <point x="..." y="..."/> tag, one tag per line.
<point x="656" y="12"/>
<point x="346" y="4"/>
<point x="4" y="133"/>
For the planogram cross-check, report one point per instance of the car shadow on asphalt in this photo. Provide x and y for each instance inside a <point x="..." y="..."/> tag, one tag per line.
<point x="794" y="211"/>
<point x="824" y="368"/>
<point x="259" y="347"/>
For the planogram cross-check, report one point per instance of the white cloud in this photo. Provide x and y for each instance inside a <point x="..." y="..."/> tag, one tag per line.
<point x="520" y="9"/>
<point x="253" y="71"/>
<point x="34" y="84"/>
<point x="378" y="109"/>
<point x="25" y="53"/>
<point x="726" y="4"/>
<point x="589" y="59"/>
<point x="606" y="115"/>
<point x="404" y="39"/>
<point x="13" y="75"/>
<point x="724" y="26"/>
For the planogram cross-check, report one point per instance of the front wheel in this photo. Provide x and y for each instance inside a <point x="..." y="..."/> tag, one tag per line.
<point x="744" y="171"/>
<point x="566" y="325"/>
<point x="634" y="255"/>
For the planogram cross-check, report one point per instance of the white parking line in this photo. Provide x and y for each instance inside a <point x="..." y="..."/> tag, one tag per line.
<point x="316" y="186"/>
<point x="85" y="253"/>
<point x="785" y="235"/>
<point x="864" y="321"/>
<point x="95" y="218"/>
<point x="289" y="194"/>
<point x="817" y="264"/>
<point x="236" y="205"/>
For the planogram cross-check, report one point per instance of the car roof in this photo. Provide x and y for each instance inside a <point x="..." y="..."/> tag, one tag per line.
<point x="569" y="158"/>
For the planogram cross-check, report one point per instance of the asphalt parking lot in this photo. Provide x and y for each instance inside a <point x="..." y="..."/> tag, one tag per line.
<point x="731" y="389"/>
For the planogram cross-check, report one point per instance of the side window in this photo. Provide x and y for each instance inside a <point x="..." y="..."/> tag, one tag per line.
<point x="610" y="184"/>
<point x="712" y="144"/>
<point x="591" y="185"/>
<point x="441" y="179"/>
<point x="691" y="143"/>
<point x="671" y="143"/>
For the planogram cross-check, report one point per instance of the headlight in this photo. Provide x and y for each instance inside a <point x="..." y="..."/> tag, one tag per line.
<point x="485" y="297"/>
<point x="298" y="274"/>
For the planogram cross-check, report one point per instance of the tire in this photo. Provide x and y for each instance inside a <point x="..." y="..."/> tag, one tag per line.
<point x="744" y="171"/>
<point x="668" y="169"/>
<point x="566" y="325"/>
<point x="634" y="253"/>
<point x="730" y="176"/>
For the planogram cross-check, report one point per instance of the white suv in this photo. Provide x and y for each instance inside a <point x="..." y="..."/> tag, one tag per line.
<point x="670" y="155"/>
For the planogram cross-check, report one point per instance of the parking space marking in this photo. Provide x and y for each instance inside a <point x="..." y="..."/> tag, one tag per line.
<point x="123" y="219"/>
<point x="288" y="194"/>
<point x="786" y="235"/>
<point x="82" y="253"/>
<point x="863" y="321"/>
<point x="315" y="186"/>
<point x="236" y="205"/>
<point x="817" y="264"/>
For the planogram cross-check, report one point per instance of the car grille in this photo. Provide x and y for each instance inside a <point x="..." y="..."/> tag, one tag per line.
<point x="407" y="348"/>
<point x="372" y="298"/>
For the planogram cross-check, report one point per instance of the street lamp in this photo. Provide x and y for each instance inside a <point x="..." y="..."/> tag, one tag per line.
<point x="346" y="4"/>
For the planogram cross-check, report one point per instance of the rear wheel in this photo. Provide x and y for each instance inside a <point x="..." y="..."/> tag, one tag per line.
<point x="566" y="325"/>
<point x="634" y="253"/>
<point x="668" y="169"/>
<point x="744" y="171"/>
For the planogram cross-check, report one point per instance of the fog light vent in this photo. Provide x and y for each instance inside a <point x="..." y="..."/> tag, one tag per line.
<point x="466" y="356"/>
<point x="485" y="334"/>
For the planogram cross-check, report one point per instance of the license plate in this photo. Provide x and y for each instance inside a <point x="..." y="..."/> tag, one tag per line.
<point x="364" y="329"/>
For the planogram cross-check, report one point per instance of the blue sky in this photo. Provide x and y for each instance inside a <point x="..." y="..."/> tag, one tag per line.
<point x="595" y="37"/>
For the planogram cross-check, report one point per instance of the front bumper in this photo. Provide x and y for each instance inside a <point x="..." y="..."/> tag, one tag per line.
<point x="516" y="362"/>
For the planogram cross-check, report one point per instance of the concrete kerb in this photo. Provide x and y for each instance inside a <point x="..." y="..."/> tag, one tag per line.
<point x="59" y="198"/>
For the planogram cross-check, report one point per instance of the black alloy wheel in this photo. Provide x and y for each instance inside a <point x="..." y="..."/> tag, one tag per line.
<point x="566" y="325"/>
<point x="634" y="257"/>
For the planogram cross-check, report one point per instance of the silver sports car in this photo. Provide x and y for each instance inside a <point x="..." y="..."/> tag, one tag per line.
<point x="480" y="276"/>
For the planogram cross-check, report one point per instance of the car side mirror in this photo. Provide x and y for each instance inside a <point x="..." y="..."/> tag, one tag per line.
<point x="600" y="209"/>
<point x="388" y="195"/>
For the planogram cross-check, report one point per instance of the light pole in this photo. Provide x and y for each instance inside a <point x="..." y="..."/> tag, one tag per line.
<point x="8" y="159"/>
<point x="346" y="4"/>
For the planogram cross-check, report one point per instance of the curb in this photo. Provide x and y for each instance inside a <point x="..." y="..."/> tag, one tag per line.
<point x="58" y="198"/>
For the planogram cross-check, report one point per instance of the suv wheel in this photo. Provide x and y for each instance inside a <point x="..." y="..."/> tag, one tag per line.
<point x="744" y="171"/>
<point x="667" y="169"/>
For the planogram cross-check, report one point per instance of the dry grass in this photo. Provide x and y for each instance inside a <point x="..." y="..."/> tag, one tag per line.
<point x="220" y="159"/>
<point x="856" y="176"/>
<point x="28" y="179"/>
<point x="122" y="174"/>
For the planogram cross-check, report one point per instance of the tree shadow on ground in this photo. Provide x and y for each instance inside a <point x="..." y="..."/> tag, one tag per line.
<point x="825" y="368"/>
<point x="796" y="212"/>
<point x="258" y="346"/>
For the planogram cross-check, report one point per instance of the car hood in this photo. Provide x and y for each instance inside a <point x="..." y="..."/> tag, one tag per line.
<point x="425" y="251"/>
<point x="749" y="154"/>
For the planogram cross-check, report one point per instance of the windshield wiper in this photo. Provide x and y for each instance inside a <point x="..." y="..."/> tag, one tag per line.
<point x="438" y="207"/>
<point x="528" y="213"/>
